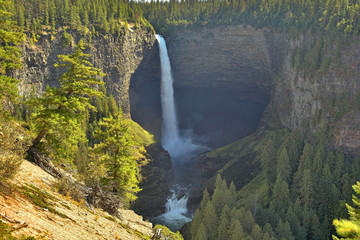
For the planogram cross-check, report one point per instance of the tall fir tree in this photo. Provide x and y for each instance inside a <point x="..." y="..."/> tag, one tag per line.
<point x="60" y="110"/>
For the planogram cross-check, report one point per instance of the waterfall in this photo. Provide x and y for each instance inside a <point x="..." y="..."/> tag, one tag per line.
<point x="176" y="211"/>
<point x="181" y="148"/>
<point x="170" y="137"/>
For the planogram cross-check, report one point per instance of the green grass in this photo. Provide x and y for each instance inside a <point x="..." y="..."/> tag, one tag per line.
<point x="133" y="231"/>
<point x="5" y="233"/>
<point x="168" y="234"/>
<point x="145" y="137"/>
<point x="41" y="198"/>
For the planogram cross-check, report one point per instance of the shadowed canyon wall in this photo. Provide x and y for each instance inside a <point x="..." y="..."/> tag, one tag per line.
<point x="223" y="79"/>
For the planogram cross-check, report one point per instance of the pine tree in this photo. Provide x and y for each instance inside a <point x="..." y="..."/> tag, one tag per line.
<point x="350" y="229"/>
<point x="222" y="229"/>
<point x="280" y="197"/>
<point x="205" y="199"/>
<point x="283" y="230"/>
<point x="221" y="195"/>
<point x="283" y="168"/>
<point x="267" y="160"/>
<point x="235" y="230"/>
<point x="306" y="188"/>
<point x="256" y="233"/>
<point x="195" y="223"/>
<point x="210" y="220"/>
<point x="306" y="156"/>
<point x="59" y="114"/>
<point x="201" y="233"/>
<point x="318" y="159"/>
<point x="116" y="153"/>
<point x="295" y="226"/>
<point x="10" y="39"/>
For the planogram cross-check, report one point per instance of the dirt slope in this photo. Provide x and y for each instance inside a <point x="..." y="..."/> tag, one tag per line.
<point x="76" y="220"/>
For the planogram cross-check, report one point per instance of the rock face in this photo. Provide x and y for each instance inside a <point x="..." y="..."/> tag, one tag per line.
<point x="118" y="57"/>
<point x="152" y="198"/>
<point x="257" y="64"/>
<point x="223" y="80"/>
<point x="298" y="97"/>
<point x="233" y="57"/>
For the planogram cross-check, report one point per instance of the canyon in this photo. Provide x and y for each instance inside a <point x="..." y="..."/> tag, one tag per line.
<point x="230" y="82"/>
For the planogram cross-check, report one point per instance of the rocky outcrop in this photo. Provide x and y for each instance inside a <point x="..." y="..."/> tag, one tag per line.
<point x="155" y="190"/>
<point x="118" y="57"/>
<point x="331" y="95"/>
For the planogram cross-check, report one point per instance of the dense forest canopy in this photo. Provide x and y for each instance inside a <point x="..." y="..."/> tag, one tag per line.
<point x="293" y="16"/>
<point x="95" y="15"/>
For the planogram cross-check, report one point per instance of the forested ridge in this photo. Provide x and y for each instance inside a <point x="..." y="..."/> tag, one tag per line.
<point x="292" y="16"/>
<point x="93" y="15"/>
<point x="303" y="184"/>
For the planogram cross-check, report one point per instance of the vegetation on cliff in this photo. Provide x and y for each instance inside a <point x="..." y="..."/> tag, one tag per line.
<point x="75" y="126"/>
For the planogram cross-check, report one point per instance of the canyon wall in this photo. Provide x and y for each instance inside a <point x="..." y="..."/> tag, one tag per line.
<point x="224" y="79"/>
<point x="259" y="64"/>
<point x="118" y="57"/>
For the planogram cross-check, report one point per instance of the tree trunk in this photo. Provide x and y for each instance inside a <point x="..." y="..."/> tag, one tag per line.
<point x="38" y="138"/>
<point x="43" y="163"/>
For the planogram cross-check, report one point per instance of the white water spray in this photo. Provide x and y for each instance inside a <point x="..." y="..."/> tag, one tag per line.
<point x="170" y="136"/>
<point x="176" y="211"/>
<point x="170" y="132"/>
<point x="181" y="148"/>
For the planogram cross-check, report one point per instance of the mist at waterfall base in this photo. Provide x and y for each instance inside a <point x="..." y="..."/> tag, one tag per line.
<point x="181" y="147"/>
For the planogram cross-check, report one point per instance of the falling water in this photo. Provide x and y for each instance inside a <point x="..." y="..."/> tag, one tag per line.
<point x="170" y="132"/>
<point x="178" y="147"/>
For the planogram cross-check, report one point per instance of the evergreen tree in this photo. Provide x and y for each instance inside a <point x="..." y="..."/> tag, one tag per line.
<point x="235" y="230"/>
<point x="222" y="229"/>
<point x="205" y="199"/>
<point x="210" y="220"/>
<point x="116" y="152"/>
<point x="306" y="188"/>
<point x="59" y="114"/>
<point x="201" y="233"/>
<point x="267" y="159"/>
<point x="283" y="168"/>
<point x="283" y="230"/>
<point x="10" y="39"/>
<point x="280" y="197"/>
<point x="256" y="233"/>
<point x="195" y="223"/>
<point x="295" y="226"/>
<point x="350" y="229"/>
